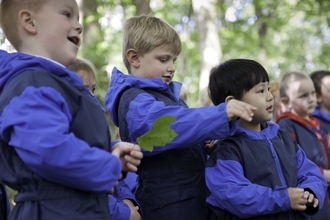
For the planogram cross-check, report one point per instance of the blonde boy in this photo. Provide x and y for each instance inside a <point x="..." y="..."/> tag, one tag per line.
<point x="54" y="137"/>
<point x="171" y="178"/>
<point x="298" y="94"/>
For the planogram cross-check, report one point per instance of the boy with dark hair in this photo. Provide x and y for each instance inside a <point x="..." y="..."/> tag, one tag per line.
<point x="171" y="181"/>
<point x="54" y="137"/>
<point x="259" y="172"/>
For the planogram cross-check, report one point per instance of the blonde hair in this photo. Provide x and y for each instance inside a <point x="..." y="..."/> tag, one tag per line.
<point x="288" y="78"/>
<point x="9" y="10"/>
<point x="84" y="67"/>
<point x="184" y="93"/>
<point x="204" y="98"/>
<point x="145" y="32"/>
<point x="274" y="86"/>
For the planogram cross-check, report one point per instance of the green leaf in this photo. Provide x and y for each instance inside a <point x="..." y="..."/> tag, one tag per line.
<point x="159" y="135"/>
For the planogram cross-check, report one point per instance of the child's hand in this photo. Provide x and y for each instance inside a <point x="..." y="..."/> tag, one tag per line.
<point x="239" y="109"/>
<point x="311" y="200"/>
<point x="299" y="199"/>
<point x="326" y="174"/>
<point x="210" y="146"/>
<point x="129" y="154"/>
<point x="135" y="215"/>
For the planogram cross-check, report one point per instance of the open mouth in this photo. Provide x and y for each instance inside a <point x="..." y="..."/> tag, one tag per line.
<point x="74" y="40"/>
<point x="167" y="78"/>
<point x="270" y="108"/>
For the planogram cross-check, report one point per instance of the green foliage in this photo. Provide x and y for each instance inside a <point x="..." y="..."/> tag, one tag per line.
<point x="159" y="134"/>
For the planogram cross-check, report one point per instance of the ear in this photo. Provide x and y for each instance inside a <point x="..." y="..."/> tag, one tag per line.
<point x="133" y="58"/>
<point x="228" y="98"/>
<point x="286" y="102"/>
<point x="25" y="18"/>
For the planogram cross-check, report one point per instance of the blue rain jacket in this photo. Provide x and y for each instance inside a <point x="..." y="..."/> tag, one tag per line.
<point x="54" y="142"/>
<point x="249" y="173"/>
<point x="4" y="203"/>
<point x="171" y="178"/>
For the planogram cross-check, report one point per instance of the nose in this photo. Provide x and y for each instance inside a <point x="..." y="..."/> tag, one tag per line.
<point x="79" y="27"/>
<point x="270" y="96"/>
<point x="171" y="68"/>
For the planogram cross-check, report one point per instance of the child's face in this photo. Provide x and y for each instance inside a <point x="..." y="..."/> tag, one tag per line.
<point x="260" y="97"/>
<point x="157" y="63"/>
<point x="58" y="31"/>
<point x="324" y="97"/>
<point x="88" y="80"/>
<point x="302" y="97"/>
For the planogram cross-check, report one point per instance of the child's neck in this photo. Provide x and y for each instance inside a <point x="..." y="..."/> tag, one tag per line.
<point x="249" y="125"/>
<point x="306" y="117"/>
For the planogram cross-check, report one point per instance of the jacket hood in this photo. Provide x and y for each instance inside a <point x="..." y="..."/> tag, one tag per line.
<point x="320" y="114"/>
<point x="121" y="82"/>
<point x="269" y="131"/>
<point x="12" y="64"/>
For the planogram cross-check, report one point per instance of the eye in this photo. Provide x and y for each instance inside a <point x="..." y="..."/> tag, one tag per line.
<point x="261" y="91"/>
<point x="162" y="60"/>
<point x="66" y="14"/>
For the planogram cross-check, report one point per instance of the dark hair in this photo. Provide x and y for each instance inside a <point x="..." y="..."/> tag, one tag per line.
<point x="317" y="77"/>
<point x="235" y="77"/>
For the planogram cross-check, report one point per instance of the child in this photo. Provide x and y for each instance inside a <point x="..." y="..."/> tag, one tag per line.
<point x="87" y="73"/>
<point x="123" y="206"/>
<point x="321" y="80"/>
<point x="171" y="178"/>
<point x="297" y="93"/>
<point x="259" y="172"/>
<point x="54" y="137"/>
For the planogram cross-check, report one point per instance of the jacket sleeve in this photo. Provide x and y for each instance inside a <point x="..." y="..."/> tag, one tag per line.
<point x="193" y="125"/>
<point x="123" y="191"/>
<point x="118" y="209"/>
<point x="231" y="191"/>
<point x="310" y="177"/>
<point x="36" y="124"/>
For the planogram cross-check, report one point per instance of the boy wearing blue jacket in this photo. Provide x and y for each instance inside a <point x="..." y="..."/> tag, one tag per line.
<point x="298" y="94"/>
<point x="171" y="182"/>
<point x="259" y="172"/>
<point x="54" y="137"/>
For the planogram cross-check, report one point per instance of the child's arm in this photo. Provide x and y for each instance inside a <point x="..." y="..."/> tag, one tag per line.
<point x="233" y="192"/>
<point x="36" y="124"/>
<point x="125" y="205"/>
<point x="311" y="179"/>
<point x="193" y="125"/>
<point x="123" y="210"/>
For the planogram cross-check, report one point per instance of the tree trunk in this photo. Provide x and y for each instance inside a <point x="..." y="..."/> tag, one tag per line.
<point x="262" y="33"/>
<point x="142" y="7"/>
<point x="208" y="38"/>
<point x="92" y="31"/>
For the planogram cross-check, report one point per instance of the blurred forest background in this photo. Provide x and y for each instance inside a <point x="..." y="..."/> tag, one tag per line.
<point x="283" y="35"/>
